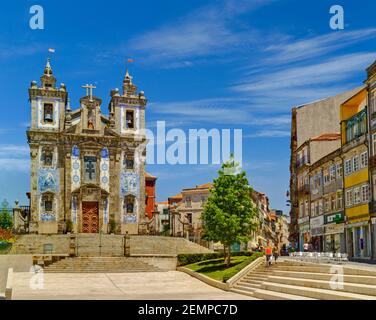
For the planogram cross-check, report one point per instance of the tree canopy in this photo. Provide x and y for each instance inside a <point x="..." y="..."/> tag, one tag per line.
<point x="229" y="214"/>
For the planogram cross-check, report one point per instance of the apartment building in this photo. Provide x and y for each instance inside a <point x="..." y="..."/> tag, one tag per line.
<point x="308" y="121"/>
<point x="356" y="174"/>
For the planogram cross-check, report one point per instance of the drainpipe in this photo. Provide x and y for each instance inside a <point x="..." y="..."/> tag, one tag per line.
<point x="371" y="186"/>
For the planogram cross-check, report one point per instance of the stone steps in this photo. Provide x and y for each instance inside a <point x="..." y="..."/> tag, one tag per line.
<point x="321" y="284"/>
<point x="292" y="281"/>
<point x="316" y="276"/>
<point x="324" y="269"/>
<point x="270" y="295"/>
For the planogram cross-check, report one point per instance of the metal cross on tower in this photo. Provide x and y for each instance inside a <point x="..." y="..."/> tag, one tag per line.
<point x="89" y="90"/>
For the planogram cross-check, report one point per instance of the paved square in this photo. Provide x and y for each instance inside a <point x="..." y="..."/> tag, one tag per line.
<point x="171" y="285"/>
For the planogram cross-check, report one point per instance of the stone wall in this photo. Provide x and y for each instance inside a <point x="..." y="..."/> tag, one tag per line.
<point x="111" y="245"/>
<point x="19" y="263"/>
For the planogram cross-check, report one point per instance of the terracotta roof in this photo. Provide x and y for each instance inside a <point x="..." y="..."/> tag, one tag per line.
<point x="178" y="196"/>
<point x="149" y="176"/>
<point x="162" y="202"/>
<point x="327" y="137"/>
<point x="208" y="185"/>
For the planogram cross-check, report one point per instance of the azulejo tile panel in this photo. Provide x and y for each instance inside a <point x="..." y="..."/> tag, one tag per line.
<point x="48" y="180"/>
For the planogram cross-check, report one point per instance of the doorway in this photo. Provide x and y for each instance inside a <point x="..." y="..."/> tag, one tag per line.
<point x="90" y="217"/>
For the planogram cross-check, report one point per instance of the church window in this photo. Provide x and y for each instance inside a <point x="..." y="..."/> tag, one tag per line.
<point x="129" y="204"/>
<point x="47" y="156"/>
<point x="47" y="201"/>
<point x="129" y="162"/>
<point x="189" y="218"/>
<point x="48" y="112"/>
<point x="90" y="119"/>
<point x="129" y="119"/>
<point x="90" y="168"/>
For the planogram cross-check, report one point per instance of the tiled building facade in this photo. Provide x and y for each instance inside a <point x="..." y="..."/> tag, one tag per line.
<point x="87" y="169"/>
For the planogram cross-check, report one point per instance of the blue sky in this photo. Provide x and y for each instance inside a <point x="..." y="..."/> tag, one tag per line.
<point x="202" y="64"/>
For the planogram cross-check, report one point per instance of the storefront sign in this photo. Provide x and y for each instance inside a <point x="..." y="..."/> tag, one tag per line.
<point x="357" y="224"/>
<point x="317" y="231"/>
<point x="317" y="222"/>
<point x="336" y="217"/>
<point x="303" y="220"/>
<point x="334" y="228"/>
<point x="304" y="228"/>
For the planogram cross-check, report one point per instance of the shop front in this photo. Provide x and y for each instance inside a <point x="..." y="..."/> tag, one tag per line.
<point x="334" y="238"/>
<point x="304" y="232"/>
<point x="317" y="233"/>
<point x="359" y="238"/>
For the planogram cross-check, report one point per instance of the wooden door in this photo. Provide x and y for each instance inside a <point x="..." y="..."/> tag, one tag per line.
<point x="90" y="217"/>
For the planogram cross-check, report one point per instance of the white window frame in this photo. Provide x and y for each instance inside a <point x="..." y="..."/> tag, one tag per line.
<point x="356" y="196"/>
<point x="374" y="143"/>
<point x="365" y="193"/>
<point x="348" y="167"/>
<point x="356" y="164"/>
<point x="349" y="198"/>
<point x="364" y="159"/>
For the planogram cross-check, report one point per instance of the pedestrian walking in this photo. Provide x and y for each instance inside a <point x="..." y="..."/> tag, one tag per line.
<point x="275" y="253"/>
<point x="268" y="254"/>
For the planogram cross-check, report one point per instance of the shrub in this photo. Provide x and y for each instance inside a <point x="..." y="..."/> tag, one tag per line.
<point x="188" y="258"/>
<point x="112" y="226"/>
<point x="6" y="235"/>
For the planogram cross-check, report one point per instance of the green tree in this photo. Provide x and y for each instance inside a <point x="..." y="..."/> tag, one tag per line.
<point x="5" y="216"/>
<point x="229" y="214"/>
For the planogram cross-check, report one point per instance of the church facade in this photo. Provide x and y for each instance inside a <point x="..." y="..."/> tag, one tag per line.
<point x="87" y="169"/>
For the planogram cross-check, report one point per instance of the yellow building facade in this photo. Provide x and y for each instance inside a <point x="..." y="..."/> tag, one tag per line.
<point x="354" y="141"/>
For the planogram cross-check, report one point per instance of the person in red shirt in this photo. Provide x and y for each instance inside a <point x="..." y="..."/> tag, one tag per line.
<point x="268" y="254"/>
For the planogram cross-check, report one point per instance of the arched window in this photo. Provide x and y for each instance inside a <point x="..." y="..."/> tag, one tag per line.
<point x="48" y="115"/>
<point x="47" y="202"/>
<point x="129" y="204"/>
<point x="47" y="157"/>
<point x="90" y="119"/>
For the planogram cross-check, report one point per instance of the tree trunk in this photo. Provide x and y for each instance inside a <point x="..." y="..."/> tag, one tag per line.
<point x="228" y="255"/>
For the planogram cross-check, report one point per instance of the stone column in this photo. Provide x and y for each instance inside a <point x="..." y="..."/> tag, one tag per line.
<point x="18" y="223"/>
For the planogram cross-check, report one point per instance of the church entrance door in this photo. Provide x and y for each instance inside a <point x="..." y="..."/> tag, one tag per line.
<point x="90" y="217"/>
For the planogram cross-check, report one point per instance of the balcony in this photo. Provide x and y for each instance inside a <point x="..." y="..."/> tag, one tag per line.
<point x="354" y="143"/>
<point x="301" y="162"/>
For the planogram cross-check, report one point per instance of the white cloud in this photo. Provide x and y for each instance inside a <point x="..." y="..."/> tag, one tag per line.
<point x="293" y="51"/>
<point x="232" y="111"/>
<point x="13" y="51"/>
<point x="12" y="164"/>
<point x="203" y="33"/>
<point x="269" y="134"/>
<point x="14" y="150"/>
<point x="336" y="69"/>
<point x="14" y="158"/>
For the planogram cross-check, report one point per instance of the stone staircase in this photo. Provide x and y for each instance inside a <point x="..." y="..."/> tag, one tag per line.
<point x="292" y="280"/>
<point x="164" y="245"/>
<point x="100" y="265"/>
<point x="105" y="245"/>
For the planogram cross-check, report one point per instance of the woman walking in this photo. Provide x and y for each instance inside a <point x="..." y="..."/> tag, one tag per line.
<point x="268" y="254"/>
